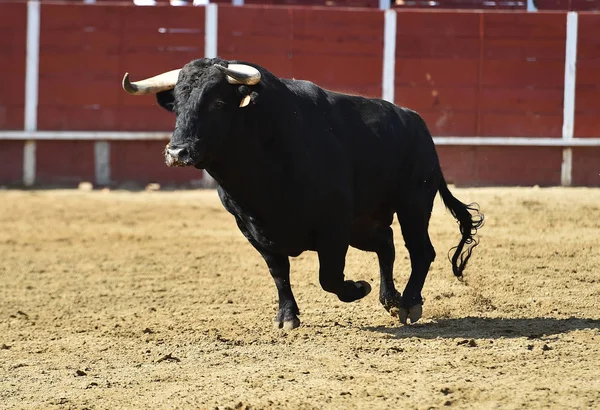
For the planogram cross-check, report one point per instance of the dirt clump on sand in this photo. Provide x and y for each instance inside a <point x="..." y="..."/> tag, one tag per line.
<point x="155" y="299"/>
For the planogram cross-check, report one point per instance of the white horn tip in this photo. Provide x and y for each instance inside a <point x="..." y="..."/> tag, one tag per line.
<point x="127" y="86"/>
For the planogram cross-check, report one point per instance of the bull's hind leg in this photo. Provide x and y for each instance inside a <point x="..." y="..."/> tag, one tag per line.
<point x="414" y="215"/>
<point x="332" y="249"/>
<point x="381" y="241"/>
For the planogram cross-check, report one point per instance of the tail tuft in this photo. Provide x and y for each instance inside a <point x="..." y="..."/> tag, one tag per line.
<point x="470" y="220"/>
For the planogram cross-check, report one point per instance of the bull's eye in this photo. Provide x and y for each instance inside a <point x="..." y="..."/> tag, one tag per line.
<point x="218" y="104"/>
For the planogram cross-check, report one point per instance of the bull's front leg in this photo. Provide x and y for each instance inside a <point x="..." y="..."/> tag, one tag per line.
<point x="279" y="267"/>
<point x="287" y="315"/>
<point x="332" y="249"/>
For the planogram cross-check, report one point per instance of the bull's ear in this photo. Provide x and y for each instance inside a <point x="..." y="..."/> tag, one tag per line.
<point x="249" y="96"/>
<point x="166" y="99"/>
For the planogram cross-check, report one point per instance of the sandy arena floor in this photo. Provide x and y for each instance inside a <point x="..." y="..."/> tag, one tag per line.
<point x="155" y="300"/>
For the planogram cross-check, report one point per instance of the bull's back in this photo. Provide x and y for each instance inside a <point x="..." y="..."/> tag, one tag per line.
<point x="368" y="146"/>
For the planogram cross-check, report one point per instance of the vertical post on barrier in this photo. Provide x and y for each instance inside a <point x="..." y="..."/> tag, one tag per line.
<point x="389" y="55"/>
<point x="211" y="36"/>
<point x="569" y="97"/>
<point x="31" y="88"/>
<point x="211" y="30"/>
<point x="102" y="162"/>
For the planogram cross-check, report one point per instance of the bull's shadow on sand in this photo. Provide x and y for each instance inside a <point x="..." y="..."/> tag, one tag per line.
<point x="488" y="328"/>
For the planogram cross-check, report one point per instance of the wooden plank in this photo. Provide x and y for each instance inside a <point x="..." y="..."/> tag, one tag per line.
<point x="162" y="18"/>
<point x="337" y="32"/>
<point x="587" y="99"/>
<point x="587" y="28"/>
<point x="11" y="115"/>
<point x="437" y="72"/>
<point x="258" y="35"/>
<point x="299" y="31"/>
<point x="338" y="72"/>
<point x="14" y="16"/>
<point x="440" y="24"/>
<point x="252" y="28"/>
<point x="458" y="163"/>
<point x="433" y="47"/>
<point x="450" y="123"/>
<point x="587" y="72"/>
<point x="517" y="166"/>
<point x="520" y="73"/>
<point x="106" y="118"/>
<point x="64" y="162"/>
<point x="148" y="118"/>
<point x="67" y="117"/>
<point x="11" y="40"/>
<point x="437" y="98"/>
<point x="325" y="46"/>
<point x="521" y="124"/>
<point x="12" y="90"/>
<point x="106" y="18"/>
<point x="585" y="166"/>
<point x="87" y="64"/>
<point x="586" y="125"/>
<point x="86" y="36"/>
<point x="588" y="47"/>
<point x="11" y="161"/>
<point x="530" y="49"/>
<point x="522" y="100"/>
<point x="79" y="92"/>
<point x="537" y="26"/>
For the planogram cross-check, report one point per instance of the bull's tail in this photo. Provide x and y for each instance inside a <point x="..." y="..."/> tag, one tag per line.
<point x="469" y="220"/>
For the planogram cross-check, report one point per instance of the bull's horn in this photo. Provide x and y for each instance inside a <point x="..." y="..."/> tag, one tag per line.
<point x="162" y="82"/>
<point x="240" y="74"/>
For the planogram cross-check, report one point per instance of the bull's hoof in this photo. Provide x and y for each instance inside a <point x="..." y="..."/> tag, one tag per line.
<point x="413" y="313"/>
<point x="287" y="318"/>
<point x="391" y="302"/>
<point x="287" y="324"/>
<point x="352" y="291"/>
<point x="366" y="287"/>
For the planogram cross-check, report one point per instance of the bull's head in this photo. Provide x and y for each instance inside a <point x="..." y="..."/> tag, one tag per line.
<point x="206" y="96"/>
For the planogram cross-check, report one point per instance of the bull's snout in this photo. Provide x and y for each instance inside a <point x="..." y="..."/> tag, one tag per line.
<point x="177" y="156"/>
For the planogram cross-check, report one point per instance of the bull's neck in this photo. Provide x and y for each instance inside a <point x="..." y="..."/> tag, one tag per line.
<point x="247" y="173"/>
<point x="259" y="161"/>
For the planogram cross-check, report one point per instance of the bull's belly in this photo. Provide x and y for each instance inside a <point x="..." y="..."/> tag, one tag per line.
<point x="281" y="239"/>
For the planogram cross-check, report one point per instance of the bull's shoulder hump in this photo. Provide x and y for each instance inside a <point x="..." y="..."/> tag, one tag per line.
<point x="303" y="88"/>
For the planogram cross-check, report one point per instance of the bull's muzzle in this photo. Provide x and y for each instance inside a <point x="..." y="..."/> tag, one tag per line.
<point x="177" y="156"/>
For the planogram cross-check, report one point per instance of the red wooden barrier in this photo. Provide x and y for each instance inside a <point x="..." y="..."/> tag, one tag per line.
<point x="467" y="73"/>
<point x="85" y="51"/>
<point x="337" y="49"/>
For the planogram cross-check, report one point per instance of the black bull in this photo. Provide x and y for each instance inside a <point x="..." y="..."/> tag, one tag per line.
<point x="303" y="168"/>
